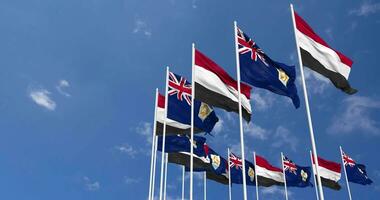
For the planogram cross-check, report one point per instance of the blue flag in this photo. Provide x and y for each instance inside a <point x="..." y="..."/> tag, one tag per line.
<point x="179" y="105"/>
<point x="356" y="173"/>
<point x="257" y="69"/>
<point x="296" y="176"/>
<point x="236" y="168"/>
<point x="181" y="143"/>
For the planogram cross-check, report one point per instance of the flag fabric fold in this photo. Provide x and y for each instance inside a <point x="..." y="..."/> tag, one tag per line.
<point x="317" y="55"/>
<point x="267" y="174"/>
<point x="259" y="70"/>
<point x="296" y="176"/>
<point x="214" y="86"/>
<point x="330" y="173"/>
<point x="356" y="173"/>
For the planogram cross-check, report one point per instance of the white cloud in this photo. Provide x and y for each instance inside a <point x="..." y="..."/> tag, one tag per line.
<point x="283" y="137"/>
<point x="366" y="8"/>
<point x="256" y="131"/>
<point x="41" y="98"/>
<point x="262" y="100"/>
<point x="130" y="180"/>
<point x="315" y="82"/>
<point x="145" y="129"/>
<point x="62" y="84"/>
<point x="194" y="4"/>
<point x="218" y="127"/>
<point x="127" y="149"/>
<point x="356" y="116"/>
<point x="329" y="33"/>
<point x="91" y="185"/>
<point x="141" y="27"/>
<point x="274" y="191"/>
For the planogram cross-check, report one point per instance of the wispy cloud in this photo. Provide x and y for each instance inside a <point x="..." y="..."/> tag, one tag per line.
<point x="316" y="83"/>
<point x="262" y="100"/>
<point x="218" y="127"/>
<point x="356" y="116"/>
<point x="41" y="97"/>
<point x="130" y="180"/>
<point x="274" y="191"/>
<point x="329" y="33"/>
<point x="91" y="185"/>
<point x="127" y="149"/>
<point x="256" y="131"/>
<point x="62" y="85"/>
<point x="145" y="129"/>
<point x="366" y="8"/>
<point x="283" y="137"/>
<point x="141" y="27"/>
<point x="194" y="4"/>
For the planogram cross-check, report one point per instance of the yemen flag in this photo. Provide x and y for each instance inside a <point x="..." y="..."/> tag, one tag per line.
<point x="329" y="172"/>
<point x="320" y="57"/>
<point x="215" y="87"/>
<point x="268" y="175"/>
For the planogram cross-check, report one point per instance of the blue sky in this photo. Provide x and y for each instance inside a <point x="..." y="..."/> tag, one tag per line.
<point x="77" y="88"/>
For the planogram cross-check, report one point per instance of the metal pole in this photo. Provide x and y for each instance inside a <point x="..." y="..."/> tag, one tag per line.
<point x="257" y="182"/>
<point x="166" y="174"/>
<point x="283" y="172"/>
<point x="183" y="182"/>
<point x="164" y="134"/>
<point x="154" y="166"/>
<point x="192" y="121"/>
<point x="315" y="181"/>
<point x="307" y="107"/>
<point x="204" y="185"/>
<point x="345" y="173"/>
<point x="153" y="141"/>
<point x="229" y="175"/>
<point x="240" y="114"/>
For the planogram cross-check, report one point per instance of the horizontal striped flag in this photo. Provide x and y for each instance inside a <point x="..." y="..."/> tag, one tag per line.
<point x="267" y="174"/>
<point x="319" y="56"/>
<point x="329" y="172"/>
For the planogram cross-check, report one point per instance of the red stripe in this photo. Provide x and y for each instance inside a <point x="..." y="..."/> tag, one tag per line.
<point x="304" y="28"/>
<point x="260" y="161"/>
<point x="206" y="63"/>
<point x="330" y="165"/>
<point x="161" y="101"/>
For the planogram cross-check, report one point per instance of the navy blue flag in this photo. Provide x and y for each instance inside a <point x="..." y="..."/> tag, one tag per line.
<point x="258" y="70"/>
<point x="236" y="167"/>
<point x="179" y="105"/>
<point x="181" y="143"/>
<point x="296" y="176"/>
<point x="356" y="173"/>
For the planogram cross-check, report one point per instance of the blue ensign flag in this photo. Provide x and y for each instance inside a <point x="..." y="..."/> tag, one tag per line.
<point x="257" y="69"/>
<point x="296" y="176"/>
<point x="181" y="143"/>
<point x="179" y="105"/>
<point x="236" y="167"/>
<point x="356" y="173"/>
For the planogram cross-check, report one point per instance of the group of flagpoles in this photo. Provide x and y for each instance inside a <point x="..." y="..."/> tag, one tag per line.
<point x="283" y="173"/>
<point x="240" y="113"/>
<point x="314" y="148"/>
<point x="256" y="181"/>
<point x="315" y="181"/>
<point x="154" y="151"/>
<point x="345" y="173"/>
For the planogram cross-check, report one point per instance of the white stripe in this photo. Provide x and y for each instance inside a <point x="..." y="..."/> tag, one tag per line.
<point x="169" y="122"/>
<point x="203" y="159"/>
<point x="212" y="82"/>
<point x="277" y="176"/>
<point x="326" y="56"/>
<point x="328" y="174"/>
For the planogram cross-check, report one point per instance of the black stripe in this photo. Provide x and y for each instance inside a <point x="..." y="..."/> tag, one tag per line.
<point x="170" y="130"/>
<point x="337" y="79"/>
<point x="267" y="182"/>
<point x="329" y="183"/>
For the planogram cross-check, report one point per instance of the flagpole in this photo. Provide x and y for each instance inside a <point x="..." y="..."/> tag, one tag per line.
<point x="183" y="182"/>
<point x="307" y="108"/>
<point x="153" y="141"/>
<point x="345" y="173"/>
<point x="256" y="181"/>
<point x="283" y="173"/>
<point x="164" y="134"/>
<point x="154" y="164"/>
<point x="166" y="174"/>
<point x="240" y="114"/>
<point x="204" y="185"/>
<point x="229" y="175"/>
<point x="192" y="121"/>
<point x="315" y="181"/>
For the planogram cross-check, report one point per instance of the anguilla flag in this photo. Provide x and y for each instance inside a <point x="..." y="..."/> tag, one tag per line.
<point x="356" y="173"/>
<point x="179" y="105"/>
<point x="236" y="167"/>
<point x="259" y="70"/>
<point x="295" y="175"/>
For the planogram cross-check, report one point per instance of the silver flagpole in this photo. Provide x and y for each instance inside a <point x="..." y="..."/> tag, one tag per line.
<point x="192" y="121"/>
<point x="315" y="181"/>
<point x="240" y="114"/>
<point x="256" y="181"/>
<point x="283" y="172"/>
<point x="153" y="141"/>
<point x="166" y="174"/>
<point x="204" y="186"/>
<point x="345" y="173"/>
<point x="307" y="107"/>
<point x="229" y="175"/>
<point x="183" y="182"/>
<point x="164" y="134"/>
<point x="154" y="165"/>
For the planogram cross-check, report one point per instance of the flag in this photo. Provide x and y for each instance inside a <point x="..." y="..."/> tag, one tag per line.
<point x="329" y="172"/>
<point x="320" y="57"/>
<point x="295" y="175"/>
<point x="257" y="69"/>
<point x="356" y="173"/>
<point x="215" y="87"/>
<point x="267" y="174"/>
<point x="236" y="167"/>
<point x="179" y="105"/>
